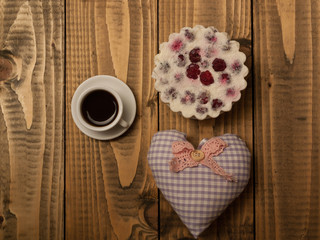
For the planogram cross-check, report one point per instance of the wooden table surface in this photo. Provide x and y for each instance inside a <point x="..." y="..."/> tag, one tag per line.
<point x="56" y="182"/>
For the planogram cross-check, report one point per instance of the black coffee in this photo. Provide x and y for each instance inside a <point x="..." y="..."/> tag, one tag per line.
<point x="99" y="108"/>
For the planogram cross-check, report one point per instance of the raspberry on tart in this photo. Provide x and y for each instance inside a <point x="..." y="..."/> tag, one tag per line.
<point x="172" y="93"/>
<point x="225" y="78"/>
<point x="211" y="38"/>
<point x="181" y="61"/>
<point x="189" y="35"/>
<point x="164" y="67"/>
<point x="201" y="110"/>
<point x="200" y="72"/>
<point x="230" y="92"/>
<point x="178" y="76"/>
<point x="193" y="71"/>
<point x="194" y="55"/>
<point x="177" y="45"/>
<point x="236" y="66"/>
<point x="188" y="98"/>
<point x="216" y="103"/>
<point x="206" y="78"/>
<point x="204" y="97"/>
<point x="219" y="64"/>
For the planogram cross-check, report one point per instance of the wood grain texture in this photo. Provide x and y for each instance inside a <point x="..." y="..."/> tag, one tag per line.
<point x="31" y="120"/>
<point x="110" y="193"/>
<point x="287" y="124"/>
<point x="233" y="17"/>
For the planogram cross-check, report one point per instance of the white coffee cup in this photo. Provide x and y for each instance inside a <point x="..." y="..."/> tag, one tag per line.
<point x="100" y="126"/>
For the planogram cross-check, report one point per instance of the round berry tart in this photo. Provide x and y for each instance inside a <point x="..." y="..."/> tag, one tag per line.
<point x="200" y="72"/>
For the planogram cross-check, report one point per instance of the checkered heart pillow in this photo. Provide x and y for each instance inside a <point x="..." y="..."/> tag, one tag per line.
<point x="199" y="183"/>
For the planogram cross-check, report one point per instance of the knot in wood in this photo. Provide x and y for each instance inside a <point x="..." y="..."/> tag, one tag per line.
<point x="5" y="69"/>
<point x="8" y="66"/>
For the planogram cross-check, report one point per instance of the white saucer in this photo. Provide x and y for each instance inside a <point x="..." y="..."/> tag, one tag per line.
<point x="129" y="106"/>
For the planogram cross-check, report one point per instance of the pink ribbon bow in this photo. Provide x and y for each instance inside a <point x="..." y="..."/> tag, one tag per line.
<point x="186" y="156"/>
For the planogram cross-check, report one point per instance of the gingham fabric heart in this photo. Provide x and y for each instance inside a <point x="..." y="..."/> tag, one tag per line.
<point x="197" y="194"/>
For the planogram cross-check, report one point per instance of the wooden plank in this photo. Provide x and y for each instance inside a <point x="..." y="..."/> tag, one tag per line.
<point x="31" y="119"/>
<point x="110" y="193"/>
<point x="287" y="124"/>
<point x="233" y="17"/>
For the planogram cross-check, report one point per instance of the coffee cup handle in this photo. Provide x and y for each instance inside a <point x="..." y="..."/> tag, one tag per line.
<point x="123" y="123"/>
